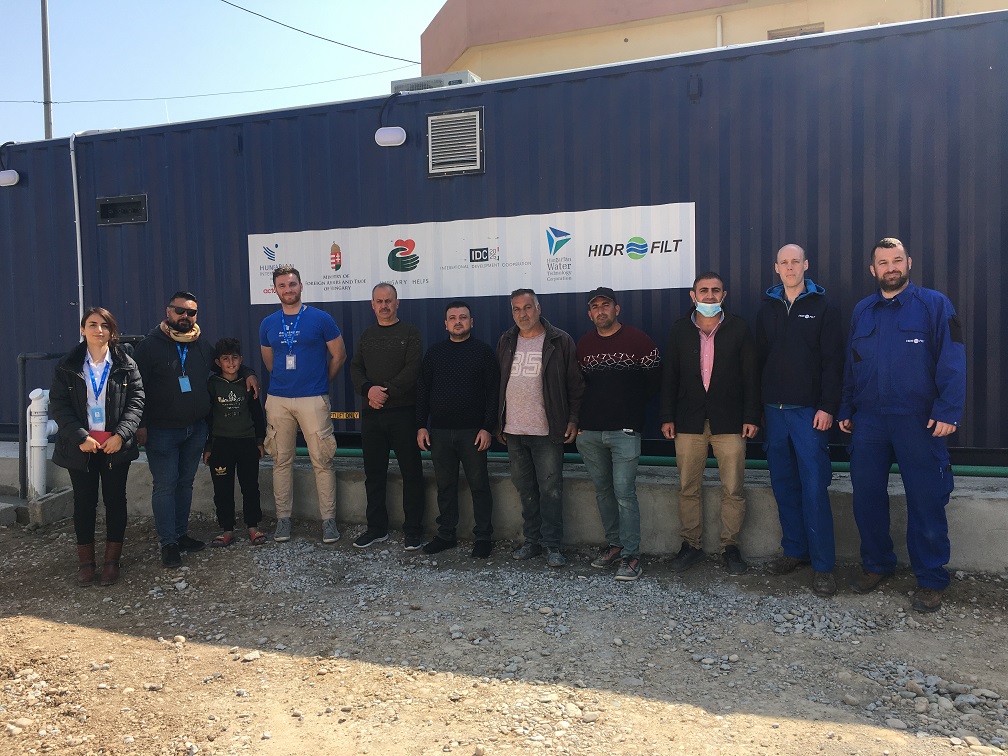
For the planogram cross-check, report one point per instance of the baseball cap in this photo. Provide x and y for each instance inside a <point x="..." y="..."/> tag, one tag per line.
<point x="602" y="291"/>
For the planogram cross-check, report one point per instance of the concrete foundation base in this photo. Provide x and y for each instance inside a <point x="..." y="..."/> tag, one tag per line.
<point x="977" y="512"/>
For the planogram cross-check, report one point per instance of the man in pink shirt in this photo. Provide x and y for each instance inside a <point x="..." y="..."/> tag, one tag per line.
<point x="710" y="396"/>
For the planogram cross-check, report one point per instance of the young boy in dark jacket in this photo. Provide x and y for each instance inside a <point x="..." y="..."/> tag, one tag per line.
<point x="237" y="428"/>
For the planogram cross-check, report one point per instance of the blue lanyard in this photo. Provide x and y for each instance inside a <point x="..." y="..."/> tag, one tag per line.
<point x="182" y="353"/>
<point x="289" y="331"/>
<point x="98" y="386"/>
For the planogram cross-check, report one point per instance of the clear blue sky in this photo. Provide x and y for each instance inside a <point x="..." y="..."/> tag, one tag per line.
<point x="112" y="49"/>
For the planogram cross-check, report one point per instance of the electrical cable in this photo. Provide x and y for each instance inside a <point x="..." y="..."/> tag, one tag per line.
<point x="209" y="94"/>
<point x="3" y="147"/>
<point x="316" y="36"/>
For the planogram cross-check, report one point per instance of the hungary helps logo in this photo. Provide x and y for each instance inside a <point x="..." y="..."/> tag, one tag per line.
<point x="402" y="258"/>
<point x="556" y="238"/>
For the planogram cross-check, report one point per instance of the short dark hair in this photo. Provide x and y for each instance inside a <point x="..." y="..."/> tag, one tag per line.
<point x="384" y="285"/>
<point x="285" y="270"/>
<point x="523" y="292"/>
<point x="886" y="242"/>
<point x="457" y="303"/>
<point x="709" y="274"/>
<point x="109" y="321"/>
<point x="185" y="295"/>
<point x="227" y="345"/>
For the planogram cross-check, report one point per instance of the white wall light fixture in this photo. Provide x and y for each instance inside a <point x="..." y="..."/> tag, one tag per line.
<point x="390" y="136"/>
<point x="8" y="176"/>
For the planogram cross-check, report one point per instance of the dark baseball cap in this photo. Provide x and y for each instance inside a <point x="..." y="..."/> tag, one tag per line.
<point x="602" y="291"/>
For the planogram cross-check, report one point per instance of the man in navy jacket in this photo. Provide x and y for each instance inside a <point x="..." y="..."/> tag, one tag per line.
<point x="904" y="392"/>
<point x="800" y="348"/>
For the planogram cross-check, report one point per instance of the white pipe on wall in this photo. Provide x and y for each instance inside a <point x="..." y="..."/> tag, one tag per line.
<point x="720" y="30"/>
<point x="40" y="427"/>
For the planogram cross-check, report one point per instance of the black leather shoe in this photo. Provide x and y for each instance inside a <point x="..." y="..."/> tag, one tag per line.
<point x="185" y="543"/>
<point x="437" y="545"/>
<point x="482" y="549"/>
<point x="733" y="561"/>
<point x="686" y="558"/>
<point x="170" y="556"/>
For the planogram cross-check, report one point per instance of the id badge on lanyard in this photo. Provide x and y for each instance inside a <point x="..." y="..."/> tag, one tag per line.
<point x="184" y="385"/>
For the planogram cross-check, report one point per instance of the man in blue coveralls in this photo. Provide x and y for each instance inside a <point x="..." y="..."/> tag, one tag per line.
<point x="904" y="391"/>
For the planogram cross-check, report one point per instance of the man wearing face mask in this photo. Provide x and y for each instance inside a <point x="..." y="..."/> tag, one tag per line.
<point x="710" y="397"/>
<point x="175" y="362"/>
<point x="904" y="392"/>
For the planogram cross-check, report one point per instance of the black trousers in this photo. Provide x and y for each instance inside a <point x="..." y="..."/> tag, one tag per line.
<point x="227" y="457"/>
<point x="449" y="448"/>
<point x="381" y="431"/>
<point x="85" y="489"/>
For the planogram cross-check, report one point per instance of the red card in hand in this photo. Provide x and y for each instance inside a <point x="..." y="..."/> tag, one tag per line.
<point x="100" y="436"/>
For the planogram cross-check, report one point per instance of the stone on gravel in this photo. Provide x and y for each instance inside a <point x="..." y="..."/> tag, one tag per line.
<point x="896" y="724"/>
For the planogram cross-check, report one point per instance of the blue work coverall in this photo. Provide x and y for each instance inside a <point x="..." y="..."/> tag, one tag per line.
<point x="905" y="365"/>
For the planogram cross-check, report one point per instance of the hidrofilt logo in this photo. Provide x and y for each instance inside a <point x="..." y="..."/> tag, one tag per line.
<point x="402" y="258"/>
<point x="555" y="239"/>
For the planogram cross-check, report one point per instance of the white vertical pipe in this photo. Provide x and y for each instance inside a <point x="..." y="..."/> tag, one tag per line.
<point x="720" y="30"/>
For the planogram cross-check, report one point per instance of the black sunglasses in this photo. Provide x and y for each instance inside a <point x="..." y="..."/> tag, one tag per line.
<point x="184" y="311"/>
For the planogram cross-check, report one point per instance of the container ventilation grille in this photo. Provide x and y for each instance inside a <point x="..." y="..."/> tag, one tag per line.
<point x="455" y="142"/>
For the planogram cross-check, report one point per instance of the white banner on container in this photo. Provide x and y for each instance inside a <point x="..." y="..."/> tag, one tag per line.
<point x="629" y="248"/>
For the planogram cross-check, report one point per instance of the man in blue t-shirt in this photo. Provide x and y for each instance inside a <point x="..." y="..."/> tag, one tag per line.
<point x="303" y="351"/>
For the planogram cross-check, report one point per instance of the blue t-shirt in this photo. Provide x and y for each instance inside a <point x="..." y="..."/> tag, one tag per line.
<point x="310" y="376"/>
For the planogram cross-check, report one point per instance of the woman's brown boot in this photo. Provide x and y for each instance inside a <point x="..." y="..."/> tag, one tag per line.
<point x="110" y="570"/>
<point x="86" y="568"/>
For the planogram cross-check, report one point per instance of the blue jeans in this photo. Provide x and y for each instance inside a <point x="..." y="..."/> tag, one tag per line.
<point x="449" y="447"/>
<point x="927" y="480"/>
<point x="173" y="456"/>
<point x="800" y="472"/>
<point x="611" y="458"/>
<point x="537" y="474"/>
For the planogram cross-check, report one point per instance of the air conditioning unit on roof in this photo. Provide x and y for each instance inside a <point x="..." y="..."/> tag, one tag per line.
<point x="436" y="81"/>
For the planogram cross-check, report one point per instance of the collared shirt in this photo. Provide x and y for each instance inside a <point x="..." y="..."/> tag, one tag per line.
<point x="98" y="370"/>
<point x="706" y="350"/>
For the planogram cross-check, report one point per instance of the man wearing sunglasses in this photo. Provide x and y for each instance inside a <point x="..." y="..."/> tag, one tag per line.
<point x="175" y="361"/>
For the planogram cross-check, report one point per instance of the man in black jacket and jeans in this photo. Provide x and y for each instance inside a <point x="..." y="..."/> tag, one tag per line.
<point x="801" y="354"/>
<point x="457" y="391"/>
<point x="175" y="363"/>
<point x="710" y="395"/>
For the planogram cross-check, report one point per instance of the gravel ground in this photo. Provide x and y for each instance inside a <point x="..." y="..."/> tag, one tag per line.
<point x="290" y="647"/>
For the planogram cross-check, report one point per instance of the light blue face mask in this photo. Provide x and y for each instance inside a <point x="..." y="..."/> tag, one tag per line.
<point x="708" y="310"/>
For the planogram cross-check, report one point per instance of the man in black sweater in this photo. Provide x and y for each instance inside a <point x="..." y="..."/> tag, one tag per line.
<point x="710" y="396"/>
<point x="384" y="372"/>
<point x="457" y="391"/>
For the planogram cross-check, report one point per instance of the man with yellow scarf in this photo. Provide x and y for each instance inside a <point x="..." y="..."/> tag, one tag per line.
<point x="175" y="363"/>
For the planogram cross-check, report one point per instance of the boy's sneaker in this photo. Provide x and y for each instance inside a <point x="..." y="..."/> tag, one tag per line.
<point x="607" y="557"/>
<point x="553" y="557"/>
<point x="527" y="550"/>
<point x="330" y="533"/>
<point x="413" y="543"/>
<point x="438" y="544"/>
<point x="283" y="530"/>
<point x="368" y="537"/>
<point x="170" y="556"/>
<point x="629" y="569"/>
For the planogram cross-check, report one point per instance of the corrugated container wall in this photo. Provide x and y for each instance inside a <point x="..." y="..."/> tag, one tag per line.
<point x="830" y="142"/>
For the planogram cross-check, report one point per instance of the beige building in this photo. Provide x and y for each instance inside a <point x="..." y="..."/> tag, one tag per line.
<point x="497" y="40"/>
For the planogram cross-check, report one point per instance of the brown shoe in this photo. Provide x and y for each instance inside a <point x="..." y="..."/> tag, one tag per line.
<point x="110" y="570"/>
<point x="86" y="566"/>
<point x="782" y="565"/>
<point x="926" y="600"/>
<point x="824" y="584"/>
<point x="868" y="582"/>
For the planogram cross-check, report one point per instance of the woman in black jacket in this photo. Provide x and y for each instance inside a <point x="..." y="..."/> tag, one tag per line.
<point x="97" y="400"/>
